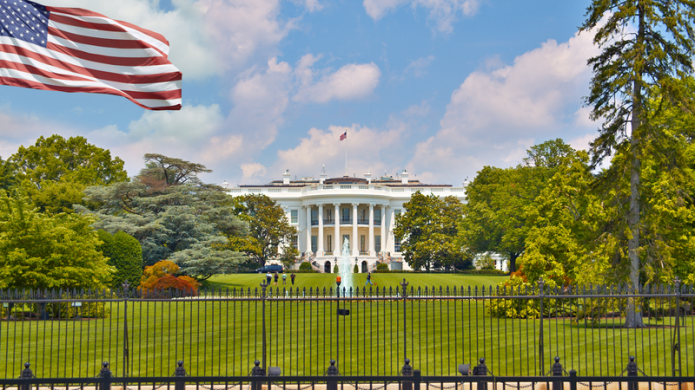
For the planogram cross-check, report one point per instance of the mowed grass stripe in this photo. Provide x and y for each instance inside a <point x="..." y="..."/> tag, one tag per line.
<point x="225" y="337"/>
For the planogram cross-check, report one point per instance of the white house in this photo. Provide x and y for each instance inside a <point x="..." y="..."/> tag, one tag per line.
<point x="328" y="211"/>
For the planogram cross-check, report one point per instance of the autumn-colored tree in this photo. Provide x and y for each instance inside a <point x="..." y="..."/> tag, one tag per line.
<point x="162" y="277"/>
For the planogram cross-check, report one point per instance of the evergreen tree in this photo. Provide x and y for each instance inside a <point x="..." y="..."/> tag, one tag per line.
<point x="647" y="47"/>
<point x="124" y="254"/>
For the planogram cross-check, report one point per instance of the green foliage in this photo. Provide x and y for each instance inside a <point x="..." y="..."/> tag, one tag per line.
<point x="305" y="265"/>
<point x="382" y="267"/>
<point x="495" y="217"/>
<point x="125" y="254"/>
<point x="355" y="269"/>
<point x="54" y="171"/>
<point x="39" y="251"/>
<point x="173" y="216"/>
<point x="269" y="230"/>
<point x="336" y="269"/>
<point x="8" y="179"/>
<point x="428" y="229"/>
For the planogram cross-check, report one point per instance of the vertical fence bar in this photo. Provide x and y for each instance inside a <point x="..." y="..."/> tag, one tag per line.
<point x="404" y="284"/>
<point x="541" y="356"/>
<point x="676" y="349"/>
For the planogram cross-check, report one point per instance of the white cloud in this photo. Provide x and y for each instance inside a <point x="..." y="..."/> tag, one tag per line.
<point x="369" y="150"/>
<point x="252" y="169"/>
<point x="351" y="81"/>
<point x="495" y="115"/>
<point x="582" y="143"/>
<point x="442" y="12"/>
<point x="23" y="129"/>
<point x="310" y="5"/>
<point x="184" y="134"/>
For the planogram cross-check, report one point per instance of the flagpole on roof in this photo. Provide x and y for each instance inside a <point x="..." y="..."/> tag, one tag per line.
<point x="346" y="148"/>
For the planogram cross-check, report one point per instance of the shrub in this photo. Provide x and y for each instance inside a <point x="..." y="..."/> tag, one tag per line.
<point x="482" y="272"/>
<point x="336" y="269"/>
<point x="305" y="266"/>
<point x="486" y="262"/>
<point x="382" y="267"/>
<point x="161" y="277"/>
<point x="355" y="269"/>
<point x="125" y="254"/>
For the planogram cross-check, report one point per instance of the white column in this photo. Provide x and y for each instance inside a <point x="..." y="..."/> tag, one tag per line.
<point x="308" y="228"/>
<point x="319" y="249"/>
<point x="372" y="252"/>
<point x="392" y="239"/>
<point x="355" y="243"/>
<point x="337" y="241"/>
<point x="383" y="228"/>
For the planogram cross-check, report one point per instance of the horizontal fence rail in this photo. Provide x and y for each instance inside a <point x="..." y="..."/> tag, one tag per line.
<point x="368" y="331"/>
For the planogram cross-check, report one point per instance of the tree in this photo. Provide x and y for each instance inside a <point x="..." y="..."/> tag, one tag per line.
<point x="270" y="231"/>
<point x="7" y="176"/>
<point x="124" y="254"/>
<point x="495" y="215"/>
<point x="161" y="277"/>
<point x="169" y="210"/>
<point x="427" y="230"/>
<point x="54" y="171"/>
<point x="647" y="46"/>
<point x="39" y="251"/>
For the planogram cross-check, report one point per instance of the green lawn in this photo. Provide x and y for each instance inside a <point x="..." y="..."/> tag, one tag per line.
<point x="387" y="281"/>
<point x="223" y="337"/>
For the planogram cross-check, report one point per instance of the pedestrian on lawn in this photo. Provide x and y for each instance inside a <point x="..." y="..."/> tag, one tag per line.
<point x="369" y="279"/>
<point x="268" y="277"/>
<point x="284" y="278"/>
<point x="292" y="276"/>
<point x="276" y="276"/>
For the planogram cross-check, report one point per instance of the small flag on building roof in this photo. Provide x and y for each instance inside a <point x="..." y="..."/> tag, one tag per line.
<point x="343" y="136"/>
<point x="76" y="50"/>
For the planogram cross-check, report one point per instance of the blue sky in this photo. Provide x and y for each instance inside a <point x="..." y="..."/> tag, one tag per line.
<point x="438" y="87"/>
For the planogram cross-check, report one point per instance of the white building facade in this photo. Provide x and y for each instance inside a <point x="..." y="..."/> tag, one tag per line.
<point x="329" y="211"/>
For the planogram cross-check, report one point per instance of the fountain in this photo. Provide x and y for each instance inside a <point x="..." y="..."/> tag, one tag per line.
<point x="344" y="269"/>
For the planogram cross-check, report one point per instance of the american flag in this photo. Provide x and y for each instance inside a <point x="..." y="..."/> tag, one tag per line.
<point x="75" y="50"/>
<point x="343" y="136"/>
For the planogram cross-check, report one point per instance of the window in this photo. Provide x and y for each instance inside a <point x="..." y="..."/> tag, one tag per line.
<point x="314" y="243"/>
<point x="362" y="240"/>
<point x="294" y="242"/>
<point x="294" y="216"/>
<point x="377" y="217"/>
<point x="377" y="244"/>
<point x="329" y="242"/>
<point x="397" y="244"/>
<point x="346" y="215"/>
<point x="314" y="217"/>
<point x="346" y="237"/>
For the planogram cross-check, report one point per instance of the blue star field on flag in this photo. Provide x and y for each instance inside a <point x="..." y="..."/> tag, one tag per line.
<point x="24" y="20"/>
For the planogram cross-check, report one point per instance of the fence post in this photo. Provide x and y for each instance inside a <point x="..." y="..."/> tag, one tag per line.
<point x="540" y="343"/>
<point x="407" y="370"/>
<point x="557" y="371"/>
<point x="105" y="375"/>
<point x="675" y="348"/>
<point x="332" y="371"/>
<point x="180" y="373"/>
<point x="481" y="370"/>
<point x="258" y="372"/>
<point x="405" y="331"/>
<point x="126" y="352"/>
<point x="26" y="374"/>
<point x="263" y="287"/>
<point x="417" y="379"/>
<point x="632" y="372"/>
<point x="573" y="380"/>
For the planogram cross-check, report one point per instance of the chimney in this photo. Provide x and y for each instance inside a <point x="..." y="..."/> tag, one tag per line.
<point x="404" y="177"/>
<point x="368" y="176"/>
<point x="323" y="176"/>
<point x="286" y="177"/>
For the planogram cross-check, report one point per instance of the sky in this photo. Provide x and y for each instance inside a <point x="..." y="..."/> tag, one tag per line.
<point x="441" y="88"/>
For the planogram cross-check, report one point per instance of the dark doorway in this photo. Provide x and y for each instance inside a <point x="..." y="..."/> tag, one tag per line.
<point x="364" y="267"/>
<point x="327" y="267"/>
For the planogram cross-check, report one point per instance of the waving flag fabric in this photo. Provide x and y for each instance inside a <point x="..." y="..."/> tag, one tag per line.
<point x="75" y="50"/>
<point x="343" y="136"/>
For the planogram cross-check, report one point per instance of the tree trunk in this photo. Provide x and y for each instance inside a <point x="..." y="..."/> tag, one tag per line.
<point x="634" y="315"/>
<point x="512" y="261"/>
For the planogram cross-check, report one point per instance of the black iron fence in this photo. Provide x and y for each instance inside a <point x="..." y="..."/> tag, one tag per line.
<point x="480" y="377"/>
<point x="368" y="331"/>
